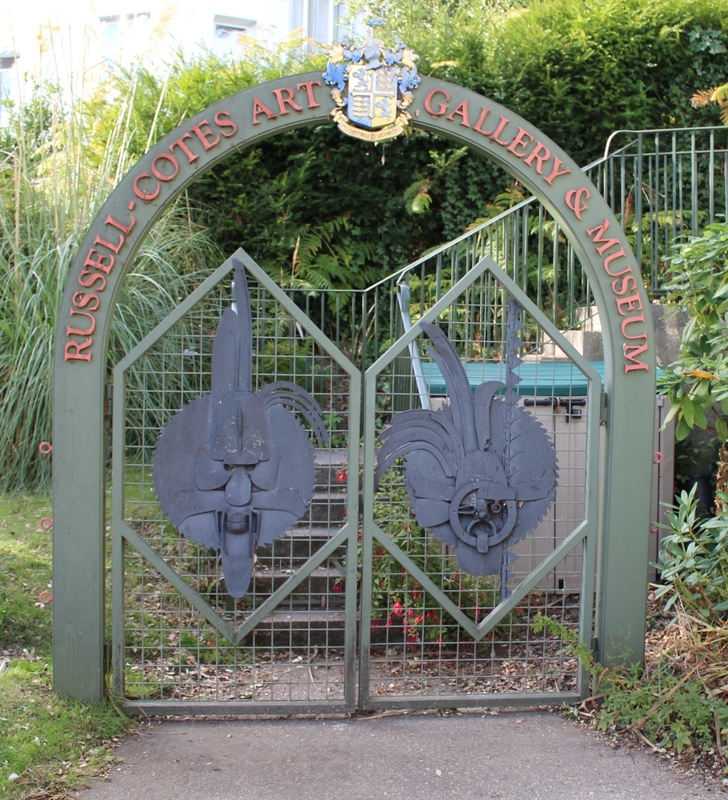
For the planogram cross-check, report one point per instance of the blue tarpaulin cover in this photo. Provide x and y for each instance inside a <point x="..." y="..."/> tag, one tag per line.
<point x="539" y="379"/>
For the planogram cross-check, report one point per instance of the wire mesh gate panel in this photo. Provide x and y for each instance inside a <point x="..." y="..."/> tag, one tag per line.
<point x="433" y="634"/>
<point x="181" y="642"/>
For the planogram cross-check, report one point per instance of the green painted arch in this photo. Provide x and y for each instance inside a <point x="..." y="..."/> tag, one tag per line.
<point x="245" y="119"/>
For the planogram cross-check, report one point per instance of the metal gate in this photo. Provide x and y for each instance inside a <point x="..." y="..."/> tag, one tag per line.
<point x="181" y="642"/>
<point x="355" y="578"/>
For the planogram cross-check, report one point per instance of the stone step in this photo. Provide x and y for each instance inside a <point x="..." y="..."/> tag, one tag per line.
<point x="326" y="507"/>
<point x="290" y="628"/>
<point x="313" y="614"/>
<point x="317" y="584"/>
<point x="297" y="546"/>
<point x="329" y="467"/>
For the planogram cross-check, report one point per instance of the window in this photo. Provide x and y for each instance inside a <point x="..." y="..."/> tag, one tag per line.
<point x="7" y="59"/>
<point x="228" y="31"/>
<point x="120" y="33"/>
<point x="7" y="64"/>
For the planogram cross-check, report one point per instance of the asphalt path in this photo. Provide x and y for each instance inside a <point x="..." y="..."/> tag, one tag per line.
<point x="513" y="755"/>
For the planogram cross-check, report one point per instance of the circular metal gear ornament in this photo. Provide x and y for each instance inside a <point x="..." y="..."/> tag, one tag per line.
<point x="481" y="473"/>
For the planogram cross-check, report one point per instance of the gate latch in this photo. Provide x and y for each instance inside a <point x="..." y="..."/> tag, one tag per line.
<point x="573" y="405"/>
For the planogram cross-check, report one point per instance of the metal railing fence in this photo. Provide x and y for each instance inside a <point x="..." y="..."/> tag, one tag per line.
<point x="663" y="186"/>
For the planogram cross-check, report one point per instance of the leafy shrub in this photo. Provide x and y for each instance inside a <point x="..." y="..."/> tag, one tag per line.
<point x="660" y="703"/>
<point x="694" y="559"/>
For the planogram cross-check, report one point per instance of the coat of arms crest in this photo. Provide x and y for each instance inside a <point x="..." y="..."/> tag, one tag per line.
<point x="372" y="87"/>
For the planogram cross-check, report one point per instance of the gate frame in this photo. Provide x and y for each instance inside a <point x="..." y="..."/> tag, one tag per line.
<point x="122" y="535"/>
<point x="249" y="117"/>
<point x="585" y="533"/>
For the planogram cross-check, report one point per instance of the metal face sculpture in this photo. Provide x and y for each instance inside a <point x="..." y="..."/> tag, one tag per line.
<point x="234" y="469"/>
<point x="380" y="84"/>
<point x="480" y="473"/>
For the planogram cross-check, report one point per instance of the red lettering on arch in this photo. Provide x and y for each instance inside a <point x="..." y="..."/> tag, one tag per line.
<point x="87" y="279"/>
<point x="77" y="331"/>
<point x="99" y="261"/>
<point x="308" y="86"/>
<point x="557" y="172"/>
<point x="259" y="107"/>
<point x="147" y="197"/>
<point x="461" y="111"/>
<point x="481" y="119"/>
<point x="541" y="154"/>
<point x="629" y="321"/>
<point x="631" y="351"/>
<point x="83" y="299"/>
<point x="442" y="107"/>
<point x="73" y="351"/>
<point x="596" y="234"/>
<point x="627" y="304"/>
<point x="284" y="97"/>
<point x="183" y="147"/>
<point x="109" y="245"/>
<point x="611" y="257"/>
<point x="158" y="173"/>
<point x="207" y="138"/>
<point x="223" y="121"/>
<point x="520" y="141"/>
<point x="497" y="132"/>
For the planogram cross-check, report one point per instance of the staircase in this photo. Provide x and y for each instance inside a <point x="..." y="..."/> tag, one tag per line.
<point x="313" y="614"/>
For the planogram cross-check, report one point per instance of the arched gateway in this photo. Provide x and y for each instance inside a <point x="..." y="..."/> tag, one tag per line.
<point x="617" y="456"/>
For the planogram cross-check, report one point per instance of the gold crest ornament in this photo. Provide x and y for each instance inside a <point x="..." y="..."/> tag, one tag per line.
<point x="372" y="87"/>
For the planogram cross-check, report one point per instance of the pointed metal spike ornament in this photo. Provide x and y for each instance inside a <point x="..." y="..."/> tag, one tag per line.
<point x="481" y="473"/>
<point x="234" y="469"/>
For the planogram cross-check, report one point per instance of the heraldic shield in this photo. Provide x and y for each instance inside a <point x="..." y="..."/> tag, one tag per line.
<point x="372" y="87"/>
<point x="372" y="97"/>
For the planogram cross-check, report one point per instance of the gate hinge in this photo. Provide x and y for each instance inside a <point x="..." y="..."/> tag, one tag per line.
<point x="595" y="647"/>
<point x="108" y="400"/>
<point x="603" y="409"/>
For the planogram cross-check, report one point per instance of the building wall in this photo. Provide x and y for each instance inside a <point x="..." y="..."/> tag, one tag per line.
<point x="71" y="40"/>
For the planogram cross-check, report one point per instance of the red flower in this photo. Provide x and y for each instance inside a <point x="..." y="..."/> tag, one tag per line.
<point x="341" y="476"/>
<point x="418" y="620"/>
<point x="397" y="609"/>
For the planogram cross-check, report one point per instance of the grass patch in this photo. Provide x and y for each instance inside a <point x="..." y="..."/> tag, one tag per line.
<point x="49" y="745"/>
<point x="25" y="564"/>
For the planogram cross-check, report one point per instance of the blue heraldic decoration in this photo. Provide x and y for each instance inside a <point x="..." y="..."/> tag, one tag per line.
<point x="480" y="473"/>
<point x="234" y="469"/>
<point x="372" y="87"/>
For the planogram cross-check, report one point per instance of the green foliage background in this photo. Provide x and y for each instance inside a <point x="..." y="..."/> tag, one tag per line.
<point x="315" y="208"/>
<point x="577" y="70"/>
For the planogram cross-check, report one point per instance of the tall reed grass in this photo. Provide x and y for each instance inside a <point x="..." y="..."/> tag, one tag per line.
<point x="50" y="190"/>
